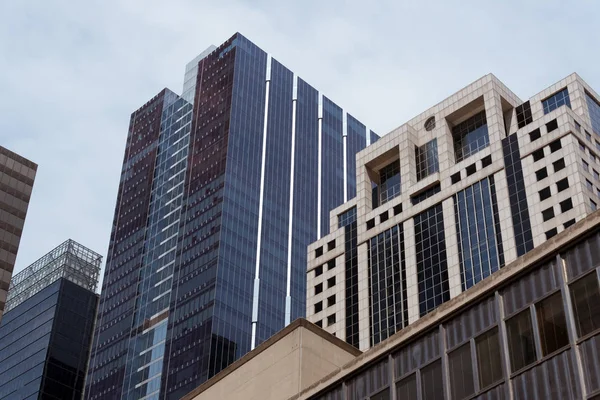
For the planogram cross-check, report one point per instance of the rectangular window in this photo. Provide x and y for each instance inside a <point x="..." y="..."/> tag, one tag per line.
<point x="425" y="194"/>
<point x="426" y="158"/>
<point x="577" y="126"/>
<point x="524" y="115"/>
<point x="552" y="324"/>
<point x="407" y="387"/>
<point x="461" y="372"/>
<point x="383" y="395"/>
<point x="331" y="320"/>
<point x="318" y="307"/>
<point x="330" y="300"/>
<point x="589" y="185"/>
<point x="585" y="165"/>
<point x="488" y="358"/>
<point x="541" y="174"/>
<point x="558" y="164"/>
<point x="390" y="184"/>
<point x="566" y="205"/>
<point x="594" y="111"/>
<point x="588" y="136"/>
<point x="521" y="345"/>
<point x="548" y="214"/>
<point x="431" y="381"/>
<point x="470" y="136"/>
<point x="585" y="297"/>
<point x="556" y="100"/>
<point x="597" y="144"/>
<point x="545" y="193"/>
<point x="347" y="217"/>
<point x="593" y="205"/>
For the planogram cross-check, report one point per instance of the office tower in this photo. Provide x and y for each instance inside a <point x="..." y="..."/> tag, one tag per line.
<point x="46" y="332"/>
<point x="449" y="198"/>
<point x="221" y="191"/>
<point x="532" y="332"/>
<point x="16" y="181"/>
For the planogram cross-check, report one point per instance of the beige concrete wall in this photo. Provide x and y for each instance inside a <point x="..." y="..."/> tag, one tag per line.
<point x="280" y="371"/>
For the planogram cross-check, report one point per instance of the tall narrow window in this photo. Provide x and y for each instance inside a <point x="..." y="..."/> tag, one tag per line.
<point x="552" y="324"/>
<point x="488" y="358"/>
<point x="461" y="372"/>
<point x="426" y="158"/>
<point x="389" y="182"/>
<point x="431" y="381"/>
<point x="585" y="297"/>
<point x="521" y="345"/>
<point x="556" y="100"/>
<point x="594" y="111"/>
<point x="470" y="136"/>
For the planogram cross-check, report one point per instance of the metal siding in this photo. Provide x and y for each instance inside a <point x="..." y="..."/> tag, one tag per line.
<point x="417" y="354"/>
<point x="529" y="288"/>
<point x="590" y="358"/>
<point x="583" y="257"/>
<point x="471" y="322"/>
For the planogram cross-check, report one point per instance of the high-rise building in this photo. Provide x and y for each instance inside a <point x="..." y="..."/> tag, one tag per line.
<point x="16" y="181"/>
<point x="531" y="331"/>
<point x="46" y="332"/>
<point x="222" y="189"/>
<point x="448" y="199"/>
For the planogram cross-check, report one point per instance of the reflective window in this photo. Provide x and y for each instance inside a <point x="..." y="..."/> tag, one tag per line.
<point x="460" y="366"/>
<point x="347" y="217"/>
<point x="552" y="324"/>
<point x="585" y="297"/>
<point x="521" y="345"/>
<point x="594" y="110"/>
<point x="431" y="381"/>
<point x="390" y="185"/>
<point x="488" y="358"/>
<point x="556" y="100"/>
<point x="426" y="158"/>
<point x="470" y="136"/>
<point x="425" y="194"/>
<point x="407" y="388"/>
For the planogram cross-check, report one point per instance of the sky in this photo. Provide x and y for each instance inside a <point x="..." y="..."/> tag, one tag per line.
<point x="72" y="72"/>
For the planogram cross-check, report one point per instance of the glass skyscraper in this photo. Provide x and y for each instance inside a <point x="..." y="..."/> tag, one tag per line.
<point x="221" y="191"/>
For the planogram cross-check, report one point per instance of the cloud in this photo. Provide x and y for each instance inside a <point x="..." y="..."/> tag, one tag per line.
<point x="71" y="73"/>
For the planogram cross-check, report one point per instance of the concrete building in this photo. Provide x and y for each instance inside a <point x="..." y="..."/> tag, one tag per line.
<point x="16" y="182"/>
<point x="46" y="332"/>
<point x="451" y="197"/>
<point x="529" y="331"/>
<point x="222" y="189"/>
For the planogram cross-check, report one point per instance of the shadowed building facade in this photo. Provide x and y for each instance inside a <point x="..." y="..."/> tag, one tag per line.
<point x="222" y="189"/>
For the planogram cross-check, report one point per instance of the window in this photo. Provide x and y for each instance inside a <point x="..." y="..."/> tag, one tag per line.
<point x="585" y="297"/>
<point x="555" y="146"/>
<point x="548" y="214"/>
<point x="331" y="245"/>
<point x="430" y="124"/>
<point x="552" y="125"/>
<point x="331" y="320"/>
<point x="426" y="158"/>
<point x="596" y="174"/>
<point x="383" y="395"/>
<point x="581" y="146"/>
<point x="588" y="136"/>
<point x="593" y="205"/>
<point x="535" y="135"/>
<point x="551" y="233"/>
<point x="556" y="100"/>
<point x="331" y="282"/>
<point x="485" y="161"/>
<point x="330" y="300"/>
<point x="521" y="345"/>
<point x="558" y="164"/>
<point x="370" y="223"/>
<point x="330" y="264"/>
<point x="397" y="209"/>
<point x="319" y="270"/>
<point x="585" y="165"/>
<point x="541" y="174"/>
<point x="471" y="169"/>
<point x="470" y="136"/>
<point x="597" y="144"/>
<point x="390" y="185"/>
<point x="318" y="288"/>
<point x="562" y="184"/>
<point x="455" y="178"/>
<point x="319" y="323"/>
<point x="552" y="324"/>
<point x="461" y="372"/>
<point x="319" y="252"/>
<point x="538" y="155"/>
<point x="318" y="307"/>
<point x="524" y="116"/>
<point x="425" y="194"/>
<point x="566" y="205"/>
<point x="383" y="217"/>
<point x="594" y="111"/>
<point x="569" y="223"/>
<point x="544" y="193"/>
<point x="407" y="387"/>
<point x="431" y="381"/>
<point x="577" y="126"/>
<point x="347" y="217"/>
<point x="488" y="358"/>
<point x="589" y="185"/>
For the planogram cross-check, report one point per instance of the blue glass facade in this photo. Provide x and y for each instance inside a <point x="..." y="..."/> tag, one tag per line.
<point x="45" y="343"/>
<point x="356" y="141"/>
<point x="594" y="111"/>
<point x="556" y="100"/>
<point x="210" y="268"/>
<point x="478" y="226"/>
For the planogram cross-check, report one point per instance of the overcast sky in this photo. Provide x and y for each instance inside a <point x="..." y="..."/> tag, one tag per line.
<point x="71" y="73"/>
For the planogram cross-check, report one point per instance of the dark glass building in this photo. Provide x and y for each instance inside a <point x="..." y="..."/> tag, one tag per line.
<point x="16" y="182"/>
<point x="46" y="333"/>
<point x="221" y="191"/>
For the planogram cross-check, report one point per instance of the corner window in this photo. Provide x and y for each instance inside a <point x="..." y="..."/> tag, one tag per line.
<point x="521" y="345"/>
<point x="389" y="183"/>
<point x="585" y="297"/>
<point x="470" y="136"/>
<point x="426" y="158"/>
<point x="556" y="100"/>
<point x="552" y="324"/>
